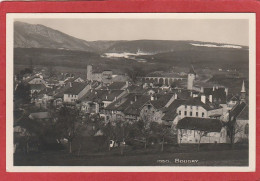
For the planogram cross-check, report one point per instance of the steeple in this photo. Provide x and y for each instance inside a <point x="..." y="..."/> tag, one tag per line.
<point x="243" y="93"/>
<point x="192" y="71"/>
<point x="243" y="90"/>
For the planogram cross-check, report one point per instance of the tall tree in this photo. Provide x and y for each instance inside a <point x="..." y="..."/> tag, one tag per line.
<point x="135" y="72"/>
<point x="22" y="93"/>
<point x="162" y="131"/>
<point x="68" y="124"/>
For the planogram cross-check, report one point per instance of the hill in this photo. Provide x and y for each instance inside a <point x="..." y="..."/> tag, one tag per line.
<point x="38" y="36"/>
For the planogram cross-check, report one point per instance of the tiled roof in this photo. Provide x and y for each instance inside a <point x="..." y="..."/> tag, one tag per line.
<point x="197" y="102"/>
<point x="116" y="85"/>
<point x="135" y="108"/>
<point x="238" y="109"/>
<point x="162" y="100"/>
<point x="201" y="124"/>
<point x="244" y="114"/>
<point x="122" y="103"/>
<point x="170" y="112"/>
<point x="101" y="95"/>
<point x="76" y="88"/>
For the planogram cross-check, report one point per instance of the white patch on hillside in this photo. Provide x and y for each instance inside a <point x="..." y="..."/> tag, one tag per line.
<point x="216" y="46"/>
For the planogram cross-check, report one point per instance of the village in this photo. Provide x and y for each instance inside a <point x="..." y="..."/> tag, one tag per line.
<point x="124" y="112"/>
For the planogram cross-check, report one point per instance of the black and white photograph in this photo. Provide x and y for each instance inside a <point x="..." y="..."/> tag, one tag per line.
<point x="131" y="91"/>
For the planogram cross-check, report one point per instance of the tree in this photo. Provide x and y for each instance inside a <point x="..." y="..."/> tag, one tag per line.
<point x="232" y="128"/>
<point x="201" y="134"/>
<point x="108" y="131"/>
<point x="122" y="130"/>
<point x="134" y="73"/>
<point x="23" y="94"/>
<point x="162" y="131"/>
<point x="143" y="129"/>
<point x="31" y="133"/>
<point x="68" y="124"/>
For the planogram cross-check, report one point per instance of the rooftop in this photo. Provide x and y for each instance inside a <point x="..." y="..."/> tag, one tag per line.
<point x="170" y="112"/>
<point x="75" y="88"/>
<point x="40" y="115"/>
<point x="116" y="85"/>
<point x="201" y="124"/>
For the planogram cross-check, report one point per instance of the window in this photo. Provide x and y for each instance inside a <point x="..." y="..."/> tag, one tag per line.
<point x="197" y="107"/>
<point x="190" y="107"/>
<point x="185" y="106"/>
<point x="202" y="114"/>
<point x="179" y="112"/>
<point x="190" y="113"/>
<point x="197" y="114"/>
<point x="185" y="113"/>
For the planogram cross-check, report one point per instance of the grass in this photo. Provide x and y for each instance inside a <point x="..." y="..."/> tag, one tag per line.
<point x="212" y="155"/>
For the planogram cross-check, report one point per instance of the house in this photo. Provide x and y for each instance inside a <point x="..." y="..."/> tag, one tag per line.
<point x="96" y="100"/>
<point x="198" y="107"/>
<point x="104" y="76"/>
<point x="44" y="97"/>
<point x="75" y="92"/>
<point x="170" y="113"/>
<point x="154" y="109"/>
<point x="36" y="80"/>
<point x="201" y="130"/>
<point x="132" y="112"/>
<point x="115" y="111"/>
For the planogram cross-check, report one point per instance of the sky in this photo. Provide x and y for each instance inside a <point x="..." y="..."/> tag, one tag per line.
<point x="230" y="31"/>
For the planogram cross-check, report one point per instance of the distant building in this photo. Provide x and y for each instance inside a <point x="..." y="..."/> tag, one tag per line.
<point x="75" y="92"/>
<point x="101" y="76"/>
<point x="201" y="130"/>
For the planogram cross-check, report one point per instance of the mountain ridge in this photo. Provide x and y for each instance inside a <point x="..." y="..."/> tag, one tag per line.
<point x="39" y="36"/>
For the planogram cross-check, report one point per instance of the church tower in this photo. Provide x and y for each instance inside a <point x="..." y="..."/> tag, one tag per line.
<point x="89" y="72"/>
<point x="191" y="78"/>
<point x="243" y="93"/>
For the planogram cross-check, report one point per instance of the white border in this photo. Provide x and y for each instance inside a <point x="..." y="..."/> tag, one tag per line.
<point x="9" y="92"/>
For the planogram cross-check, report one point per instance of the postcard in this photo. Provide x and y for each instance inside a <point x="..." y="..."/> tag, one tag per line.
<point x="131" y="92"/>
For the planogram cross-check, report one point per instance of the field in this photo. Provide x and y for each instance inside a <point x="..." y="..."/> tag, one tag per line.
<point x="212" y="158"/>
<point x="94" y="152"/>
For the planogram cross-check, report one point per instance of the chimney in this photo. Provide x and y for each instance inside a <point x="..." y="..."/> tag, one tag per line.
<point x="131" y="102"/>
<point x="202" y="89"/>
<point x="203" y="98"/>
<point x="95" y="92"/>
<point x="226" y="90"/>
<point x="70" y="84"/>
<point x="106" y="97"/>
<point x="191" y="93"/>
<point x="213" y="88"/>
<point x="152" y="98"/>
<point x="126" y="83"/>
<point x="175" y="96"/>
<point x="210" y="98"/>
